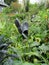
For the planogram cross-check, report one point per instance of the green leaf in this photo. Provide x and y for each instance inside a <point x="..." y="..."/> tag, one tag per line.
<point x="44" y="48"/>
<point x="26" y="63"/>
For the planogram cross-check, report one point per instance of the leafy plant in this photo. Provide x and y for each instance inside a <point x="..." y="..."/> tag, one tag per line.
<point x="31" y="51"/>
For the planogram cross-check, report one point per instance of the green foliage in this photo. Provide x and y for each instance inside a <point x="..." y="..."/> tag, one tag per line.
<point x="33" y="9"/>
<point x="35" y="49"/>
<point x="9" y="1"/>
